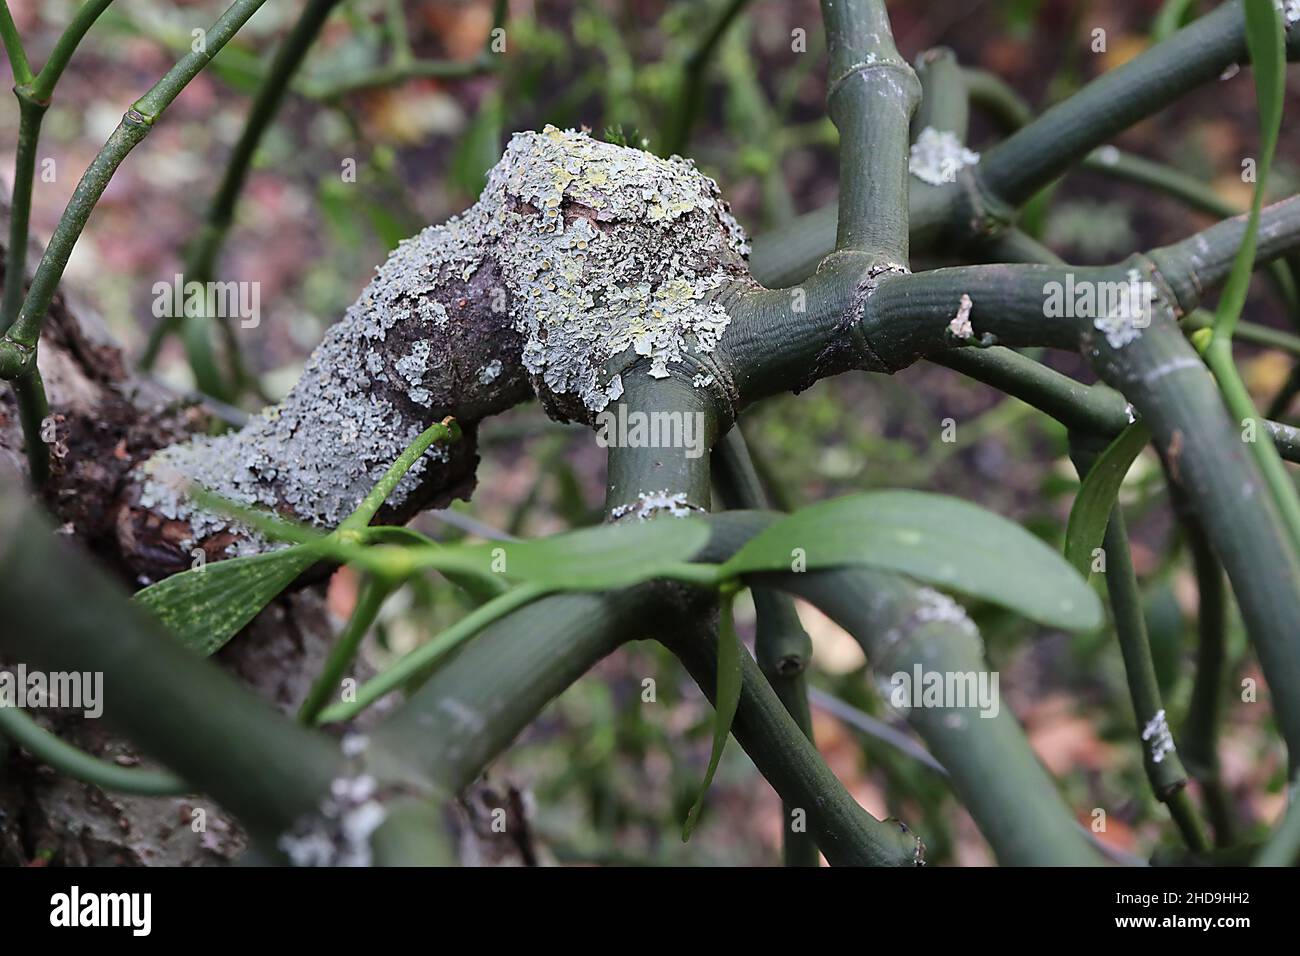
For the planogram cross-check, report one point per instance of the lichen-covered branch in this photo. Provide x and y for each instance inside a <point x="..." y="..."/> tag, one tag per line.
<point x="1202" y="261"/>
<point x="581" y="264"/>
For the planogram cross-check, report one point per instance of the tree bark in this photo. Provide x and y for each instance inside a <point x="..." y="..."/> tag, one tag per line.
<point x="106" y="422"/>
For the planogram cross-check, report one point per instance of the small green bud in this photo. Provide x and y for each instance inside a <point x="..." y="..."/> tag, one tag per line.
<point x="1201" y="339"/>
<point x="16" y="360"/>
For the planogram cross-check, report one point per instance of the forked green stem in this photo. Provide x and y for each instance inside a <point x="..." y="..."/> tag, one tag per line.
<point x="79" y="765"/>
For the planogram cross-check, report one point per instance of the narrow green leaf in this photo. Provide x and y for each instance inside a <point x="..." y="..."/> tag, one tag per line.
<point x="1266" y="40"/>
<point x="934" y="538"/>
<point x="206" y="606"/>
<point x="1172" y="17"/>
<point x="596" y="558"/>
<point x="726" y="700"/>
<point x="1098" y="494"/>
<point x="589" y="559"/>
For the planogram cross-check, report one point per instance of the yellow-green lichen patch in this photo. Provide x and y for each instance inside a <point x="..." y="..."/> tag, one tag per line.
<point x="609" y="251"/>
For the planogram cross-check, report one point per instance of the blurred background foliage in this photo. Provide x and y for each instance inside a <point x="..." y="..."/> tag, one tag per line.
<point x="612" y="775"/>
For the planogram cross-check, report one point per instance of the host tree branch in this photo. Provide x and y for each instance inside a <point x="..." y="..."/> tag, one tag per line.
<point x="541" y="288"/>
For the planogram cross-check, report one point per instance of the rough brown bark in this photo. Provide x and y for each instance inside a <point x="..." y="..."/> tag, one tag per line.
<point x="107" y="422"/>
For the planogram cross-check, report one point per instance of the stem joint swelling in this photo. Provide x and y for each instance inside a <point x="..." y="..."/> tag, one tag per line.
<point x="137" y="118"/>
<point x="977" y="214"/>
<point x="16" y="359"/>
<point x="898" y="74"/>
<point x="30" y="99"/>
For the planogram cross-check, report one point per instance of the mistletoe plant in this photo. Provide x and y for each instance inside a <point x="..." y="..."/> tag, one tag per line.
<point x="615" y="286"/>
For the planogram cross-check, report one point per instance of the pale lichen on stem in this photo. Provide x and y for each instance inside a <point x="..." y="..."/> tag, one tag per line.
<point x="580" y="261"/>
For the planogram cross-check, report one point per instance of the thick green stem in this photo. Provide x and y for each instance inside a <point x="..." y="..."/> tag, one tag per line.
<point x="1032" y="157"/>
<point x="656" y="483"/>
<point x="1196" y="194"/>
<point x="79" y="765"/>
<point x="781" y="645"/>
<point x="1205" y="453"/>
<point x="831" y="323"/>
<point x="785" y="256"/>
<point x="873" y="93"/>
<point x="1205" y="259"/>
<point x="1201" y="728"/>
<point x="945" y="102"/>
<point x="370" y="596"/>
<point x="1167" y="385"/>
<point x="1039" y="152"/>
<point x="186" y="712"/>
<point x="1164" y="768"/>
<point x="644" y="480"/>
<point x="1018" y="808"/>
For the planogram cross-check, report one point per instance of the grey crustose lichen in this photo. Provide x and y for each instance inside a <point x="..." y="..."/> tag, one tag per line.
<point x="581" y="262"/>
